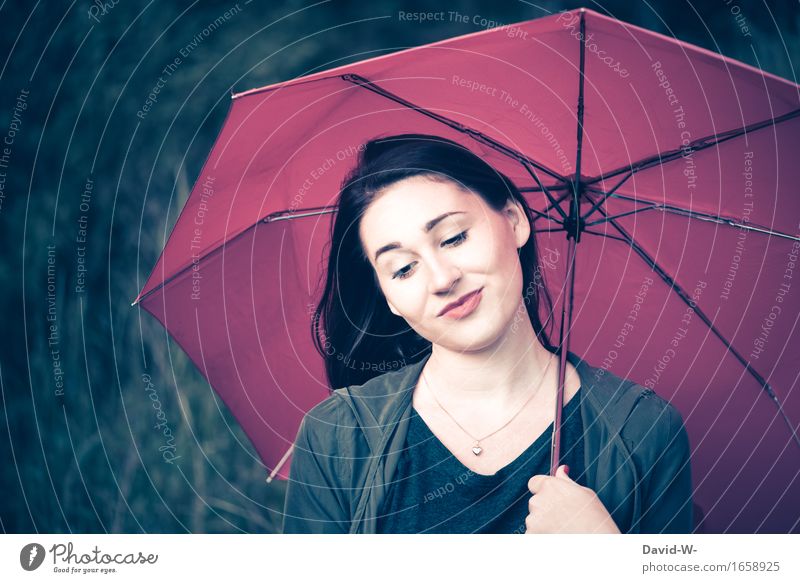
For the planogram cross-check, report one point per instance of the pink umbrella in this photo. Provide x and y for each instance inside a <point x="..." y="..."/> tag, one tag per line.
<point x="671" y="169"/>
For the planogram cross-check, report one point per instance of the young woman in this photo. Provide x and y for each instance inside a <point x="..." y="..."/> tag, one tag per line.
<point x="446" y="380"/>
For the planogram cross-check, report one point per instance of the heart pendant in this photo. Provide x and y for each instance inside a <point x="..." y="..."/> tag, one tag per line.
<point x="477" y="450"/>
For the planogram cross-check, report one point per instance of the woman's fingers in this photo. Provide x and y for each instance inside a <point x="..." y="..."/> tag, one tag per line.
<point x="537" y="482"/>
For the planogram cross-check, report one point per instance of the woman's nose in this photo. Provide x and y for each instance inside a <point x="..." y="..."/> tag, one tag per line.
<point x="444" y="276"/>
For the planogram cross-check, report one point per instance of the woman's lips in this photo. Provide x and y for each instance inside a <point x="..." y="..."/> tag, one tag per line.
<point x="466" y="307"/>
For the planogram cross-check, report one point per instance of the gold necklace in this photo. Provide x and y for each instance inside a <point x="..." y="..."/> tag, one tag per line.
<point x="477" y="449"/>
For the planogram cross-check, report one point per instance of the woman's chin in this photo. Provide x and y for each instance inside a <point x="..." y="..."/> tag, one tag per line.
<point x="468" y="338"/>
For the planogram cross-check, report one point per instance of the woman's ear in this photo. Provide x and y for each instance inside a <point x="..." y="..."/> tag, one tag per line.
<point x="518" y="220"/>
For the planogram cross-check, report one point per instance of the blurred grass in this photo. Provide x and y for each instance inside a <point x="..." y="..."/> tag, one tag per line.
<point x="90" y="461"/>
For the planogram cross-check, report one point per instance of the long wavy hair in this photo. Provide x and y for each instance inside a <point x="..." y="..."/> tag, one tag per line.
<point x="353" y="328"/>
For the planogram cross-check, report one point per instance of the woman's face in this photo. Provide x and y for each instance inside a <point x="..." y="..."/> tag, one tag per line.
<point x="435" y="243"/>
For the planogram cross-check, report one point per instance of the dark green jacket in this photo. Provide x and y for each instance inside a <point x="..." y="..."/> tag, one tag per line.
<point x="348" y="446"/>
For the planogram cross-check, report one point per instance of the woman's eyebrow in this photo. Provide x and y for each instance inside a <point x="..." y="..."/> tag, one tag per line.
<point x="427" y="229"/>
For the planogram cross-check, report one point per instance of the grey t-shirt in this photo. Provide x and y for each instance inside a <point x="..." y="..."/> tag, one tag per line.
<point x="433" y="492"/>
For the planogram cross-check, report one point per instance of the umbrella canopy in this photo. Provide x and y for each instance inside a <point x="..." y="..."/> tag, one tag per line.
<point x="671" y="169"/>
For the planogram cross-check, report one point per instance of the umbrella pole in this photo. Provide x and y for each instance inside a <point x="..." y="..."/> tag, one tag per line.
<point x="566" y="325"/>
<point x="574" y="224"/>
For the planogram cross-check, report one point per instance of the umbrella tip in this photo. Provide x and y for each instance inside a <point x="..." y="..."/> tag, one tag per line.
<point x="274" y="472"/>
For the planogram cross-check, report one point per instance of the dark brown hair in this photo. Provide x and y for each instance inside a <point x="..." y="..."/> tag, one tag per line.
<point x="353" y="328"/>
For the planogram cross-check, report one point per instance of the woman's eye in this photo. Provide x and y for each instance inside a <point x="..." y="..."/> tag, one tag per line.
<point x="457" y="240"/>
<point x="452" y="242"/>
<point x="403" y="273"/>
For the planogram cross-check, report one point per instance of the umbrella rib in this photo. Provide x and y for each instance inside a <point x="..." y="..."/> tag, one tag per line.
<point x="694" y="146"/>
<point x="633" y="212"/>
<point x="551" y="206"/>
<point x="474" y="134"/>
<point x="366" y="83"/>
<point x="687" y="300"/>
<point x="696" y="215"/>
<point x="527" y="163"/>
<point x="553" y="203"/>
<point x="606" y="195"/>
<point x="606" y="235"/>
<point x="541" y="215"/>
<point x="553" y="188"/>
<point x="293" y="214"/>
<point x="271" y="218"/>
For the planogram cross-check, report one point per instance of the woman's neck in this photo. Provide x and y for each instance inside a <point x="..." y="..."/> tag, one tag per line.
<point x="498" y="375"/>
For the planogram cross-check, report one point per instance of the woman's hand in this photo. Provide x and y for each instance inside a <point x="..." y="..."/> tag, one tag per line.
<point x="561" y="505"/>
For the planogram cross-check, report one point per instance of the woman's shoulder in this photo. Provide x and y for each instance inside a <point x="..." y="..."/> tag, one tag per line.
<point x="346" y="404"/>
<point x="378" y="398"/>
<point x="320" y="423"/>
<point x="652" y="412"/>
<point x="641" y="413"/>
<point x="387" y="382"/>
